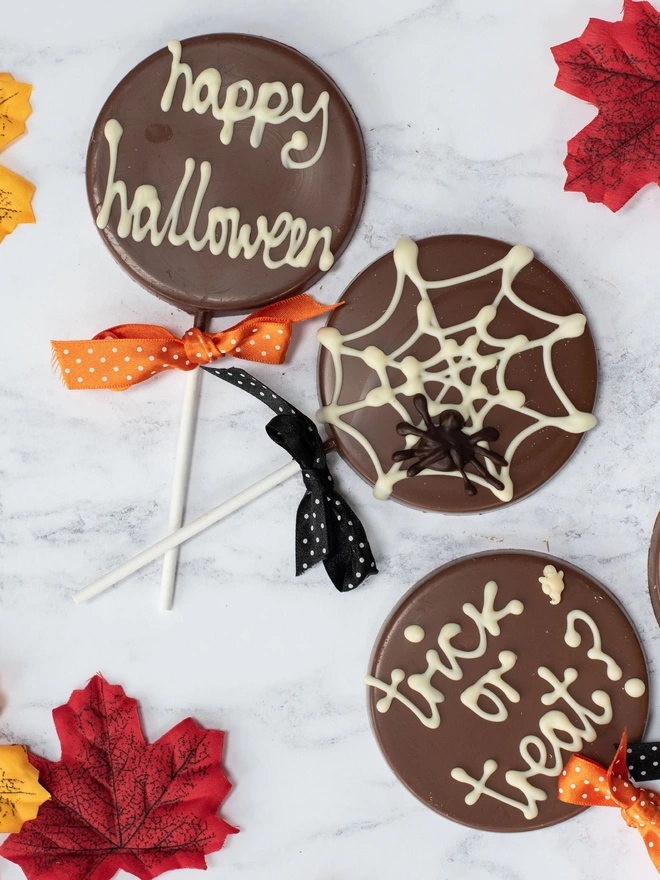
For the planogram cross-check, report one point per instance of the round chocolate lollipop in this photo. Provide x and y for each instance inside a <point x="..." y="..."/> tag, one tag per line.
<point x="536" y="661"/>
<point x="654" y="569"/>
<point x="226" y="172"/>
<point x="459" y="375"/>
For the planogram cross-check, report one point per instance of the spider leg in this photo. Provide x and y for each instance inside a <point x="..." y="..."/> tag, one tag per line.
<point x="487" y="476"/>
<point x="489" y="434"/>
<point x="422" y="406"/>
<point x="415" y="469"/>
<point x="427" y="460"/>
<point x="470" y="488"/>
<point x="403" y="428"/>
<point x="404" y="454"/>
<point x="457" y="459"/>
<point x="495" y="457"/>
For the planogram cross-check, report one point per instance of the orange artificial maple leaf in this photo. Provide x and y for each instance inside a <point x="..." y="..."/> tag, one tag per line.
<point x="15" y="192"/>
<point x="21" y="795"/>
<point x="14" y="108"/>
<point x="15" y="198"/>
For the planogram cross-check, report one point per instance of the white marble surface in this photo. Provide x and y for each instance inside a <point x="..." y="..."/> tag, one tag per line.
<point x="464" y="132"/>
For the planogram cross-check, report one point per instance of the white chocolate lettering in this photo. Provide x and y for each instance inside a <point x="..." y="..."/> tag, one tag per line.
<point x="545" y="763"/>
<point x="573" y="639"/>
<point x="203" y="94"/>
<point x="224" y="230"/>
<point x="483" y="688"/>
<point x="487" y="622"/>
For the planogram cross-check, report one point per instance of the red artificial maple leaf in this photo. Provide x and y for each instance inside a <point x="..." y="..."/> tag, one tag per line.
<point x="616" y="66"/>
<point x="118" y="802"/>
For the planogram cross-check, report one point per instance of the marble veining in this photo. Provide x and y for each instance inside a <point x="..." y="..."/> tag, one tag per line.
<point x="279" y="662"/>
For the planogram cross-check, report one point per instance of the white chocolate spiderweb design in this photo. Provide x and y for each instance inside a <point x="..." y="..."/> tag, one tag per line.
<point x="453" y="360"/>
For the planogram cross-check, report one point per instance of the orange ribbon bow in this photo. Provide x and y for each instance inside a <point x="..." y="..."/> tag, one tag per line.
<point x="585" y="783"/>
<point x="130" y="353"/>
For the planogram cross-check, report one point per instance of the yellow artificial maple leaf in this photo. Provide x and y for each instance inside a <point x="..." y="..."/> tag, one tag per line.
<point x="15" y="198"/>
<point x="20" y="792"/>
<point x="14" y="108"/>
<point x="15" y="193"/>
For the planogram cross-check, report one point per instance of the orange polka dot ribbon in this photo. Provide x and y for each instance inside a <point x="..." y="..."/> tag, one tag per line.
<point x="125" y="355"/>
<point x="587" y="784"/>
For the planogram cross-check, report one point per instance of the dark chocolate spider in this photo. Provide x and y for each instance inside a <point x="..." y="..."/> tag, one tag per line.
<point x="444" y="446"/>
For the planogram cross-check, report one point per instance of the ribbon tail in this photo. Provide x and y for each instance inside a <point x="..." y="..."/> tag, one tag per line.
<point x="297" y="308"/>
<point x="306" y="528"/>
<point x="70" y="369"/>
<point x="264" y="336"/>
<point x="56" y="365"/>
<point x="642" y="759"/>
<point x="118" y="358"/>
<point x="350" y="559"/>
<point x="76" y="373"/>
<point x="619" y="766"/>
<point x="652" y="840"/>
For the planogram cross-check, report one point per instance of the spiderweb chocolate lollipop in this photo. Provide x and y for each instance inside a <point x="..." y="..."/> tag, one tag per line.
<point x="459" y="375"/>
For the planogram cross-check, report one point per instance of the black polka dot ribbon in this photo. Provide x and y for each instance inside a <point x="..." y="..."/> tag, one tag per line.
<point x="327" y="529"/>
<point x="643" y="761"/>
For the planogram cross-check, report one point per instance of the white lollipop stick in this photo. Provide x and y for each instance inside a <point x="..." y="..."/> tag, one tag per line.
<point x="182" y="463"/>
<point x="188" y="531"/>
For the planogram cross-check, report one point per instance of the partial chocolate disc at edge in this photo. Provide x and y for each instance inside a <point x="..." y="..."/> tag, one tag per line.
<point x="654" y="569"/>
<point x="155" y="145"/>
<point x="574" y="362"/>
<point x="423" y="757"/>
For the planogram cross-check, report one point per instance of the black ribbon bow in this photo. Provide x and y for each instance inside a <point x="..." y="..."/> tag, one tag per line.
<point x="327" y="529"/>
<point x="643" y="760"/>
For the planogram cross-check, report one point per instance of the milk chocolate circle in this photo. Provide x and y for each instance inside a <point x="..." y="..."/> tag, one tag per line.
<point x="654" y="569"/>
<point x="540" y="456"/>
<point x="156" y="144"/>
<point x="424" y="758"/>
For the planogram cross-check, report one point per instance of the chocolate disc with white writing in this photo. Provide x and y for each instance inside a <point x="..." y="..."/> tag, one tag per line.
<point x="491" y="673"/>
<point x="226" y="172"/>
<point x="459" y="375"/>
